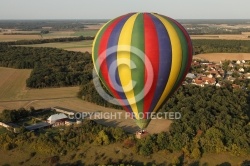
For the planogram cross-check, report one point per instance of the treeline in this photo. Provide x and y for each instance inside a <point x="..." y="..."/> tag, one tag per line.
<point x="15" y="115"/>
<point x="56" y="142"/>
<point x="42" y="41"/>
<point x="213" y="120"/>
<point x="51" y="67"/>
<point x="55" y="25"/>
<point x="221" y="46"/>
<point x="55" y="67"/>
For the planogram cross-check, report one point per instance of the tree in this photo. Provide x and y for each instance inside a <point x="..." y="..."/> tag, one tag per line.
<point x="196" y="153"/>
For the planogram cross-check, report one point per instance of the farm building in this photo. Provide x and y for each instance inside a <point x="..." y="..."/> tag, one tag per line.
<point x="63" y="110"/>
<point x="10" y="126"/>
<point x="57" y="119"/>
<point x="38" y="126"/>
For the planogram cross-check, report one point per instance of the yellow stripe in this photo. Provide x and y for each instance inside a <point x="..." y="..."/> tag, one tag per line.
<point x="176" y="60"/>
<point x="123" y="62"/>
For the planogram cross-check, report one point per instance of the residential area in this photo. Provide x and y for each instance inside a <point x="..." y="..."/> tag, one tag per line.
<point x="234" y="73"/>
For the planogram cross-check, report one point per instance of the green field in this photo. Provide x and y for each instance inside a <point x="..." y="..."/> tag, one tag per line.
<point x="89" y="32"/>
<point x="85" y="45"/>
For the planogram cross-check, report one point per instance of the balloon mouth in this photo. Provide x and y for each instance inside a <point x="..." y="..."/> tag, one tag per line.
<point x="142" y="123"/>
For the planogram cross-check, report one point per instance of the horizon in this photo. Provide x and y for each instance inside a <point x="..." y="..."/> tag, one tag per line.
<point x="97" y="9"/>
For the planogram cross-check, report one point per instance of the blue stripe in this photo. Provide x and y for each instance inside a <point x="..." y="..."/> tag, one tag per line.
<point x="165" y="60"/>
<point x="113" y="42"/>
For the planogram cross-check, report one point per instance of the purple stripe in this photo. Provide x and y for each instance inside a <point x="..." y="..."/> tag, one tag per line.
<point x="165" y="60"/>
<point x="113" y="42"/>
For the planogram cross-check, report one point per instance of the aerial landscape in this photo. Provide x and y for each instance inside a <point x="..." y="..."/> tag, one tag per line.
<point x="124" y="83"/>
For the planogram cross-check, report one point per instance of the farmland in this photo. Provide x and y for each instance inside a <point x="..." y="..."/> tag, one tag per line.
<point x="217" y="57"/>
<point x="16" y="95"/>
<point x="81" y="46"/>
<point x="12" y="83"/>
<point x="244" y="36"/>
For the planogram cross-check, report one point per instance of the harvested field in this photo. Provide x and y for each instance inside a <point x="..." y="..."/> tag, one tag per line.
<point x="14" y="94"/>
<point x="217" y="57"/>
<point x="222" y="37"/>
<point x="18" y="37"/>
<point x="12" y="83"/>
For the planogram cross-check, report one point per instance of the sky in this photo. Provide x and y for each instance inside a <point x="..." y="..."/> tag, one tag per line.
<point x="108" y="9"/>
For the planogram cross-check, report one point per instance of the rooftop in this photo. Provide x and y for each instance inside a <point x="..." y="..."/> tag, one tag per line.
<point x="37" y="126"/>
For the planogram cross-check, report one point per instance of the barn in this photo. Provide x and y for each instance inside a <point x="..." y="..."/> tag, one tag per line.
<point x="57" y="119"/>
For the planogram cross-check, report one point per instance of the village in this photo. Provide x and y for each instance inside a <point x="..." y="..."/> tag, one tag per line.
<point x="235" y="73"/>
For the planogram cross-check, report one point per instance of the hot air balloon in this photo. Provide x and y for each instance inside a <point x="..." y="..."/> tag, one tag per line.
<point x="142" y="58"/>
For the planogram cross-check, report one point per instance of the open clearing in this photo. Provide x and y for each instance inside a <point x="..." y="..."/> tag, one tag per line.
<point x="217" y="57"/>
<point x="32" y="35"/>
<point x="243" y="36"/>
<point x="12" y="83"/>
<point x="14" y="94"/>
<point x="18" y="37"/>
<point x="82" y="46"/>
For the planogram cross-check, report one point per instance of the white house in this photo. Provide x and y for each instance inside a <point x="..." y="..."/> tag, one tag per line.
<point x="57" y="119"/>
<point x="241" y="70"/>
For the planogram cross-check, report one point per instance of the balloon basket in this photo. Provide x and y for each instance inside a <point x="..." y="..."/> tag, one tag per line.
<point x="141" y="134"/>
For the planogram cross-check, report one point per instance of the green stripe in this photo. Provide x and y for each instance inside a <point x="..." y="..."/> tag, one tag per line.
<point x="95" y="53"/>
<point x="138" y="73"/>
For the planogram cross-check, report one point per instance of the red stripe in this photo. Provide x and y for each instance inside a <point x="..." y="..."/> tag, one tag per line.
<point x="152" y="52"/>
<point x="102" y="51"/>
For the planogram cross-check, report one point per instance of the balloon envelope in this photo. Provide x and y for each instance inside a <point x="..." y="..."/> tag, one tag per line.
<point x="142" y="58"/>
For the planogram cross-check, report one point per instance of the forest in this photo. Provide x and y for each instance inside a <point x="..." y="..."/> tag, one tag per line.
<point x="214" y="120"/>
<point x="51" y="67"/>
<point x="221" y="46"/>
<point x="42" y="41"/>
<point x="56" y="67"/>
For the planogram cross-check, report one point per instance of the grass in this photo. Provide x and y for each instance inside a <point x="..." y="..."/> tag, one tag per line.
<point x="90" y="154"/>
<point x="56" y="34"/>
<point x="88" y="32"/>
<point x="82" y="46"/>
<point x="2" y="130"/>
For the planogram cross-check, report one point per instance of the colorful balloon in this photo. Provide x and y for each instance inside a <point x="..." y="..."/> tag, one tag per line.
<point x="142" y="58"/>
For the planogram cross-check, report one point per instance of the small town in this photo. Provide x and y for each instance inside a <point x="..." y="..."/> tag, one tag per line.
<point x="236" y="73"/>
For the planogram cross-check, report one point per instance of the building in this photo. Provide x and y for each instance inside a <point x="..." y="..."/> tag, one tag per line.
<point x="10" y="126"/>
<point x="37" y="126"/>
<point x="63" y="110"/>
<point x="57" y="119"/>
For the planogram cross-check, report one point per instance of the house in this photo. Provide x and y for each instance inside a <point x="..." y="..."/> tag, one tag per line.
<point x="57" y="119"/>
<point x="218" y="84"/>
<point x="235" y="86"/>
<point x="210" y="75"/>
<point x="191" y="76"/>
<point x="241" y="70"/>
<point x="203" y="80"/>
